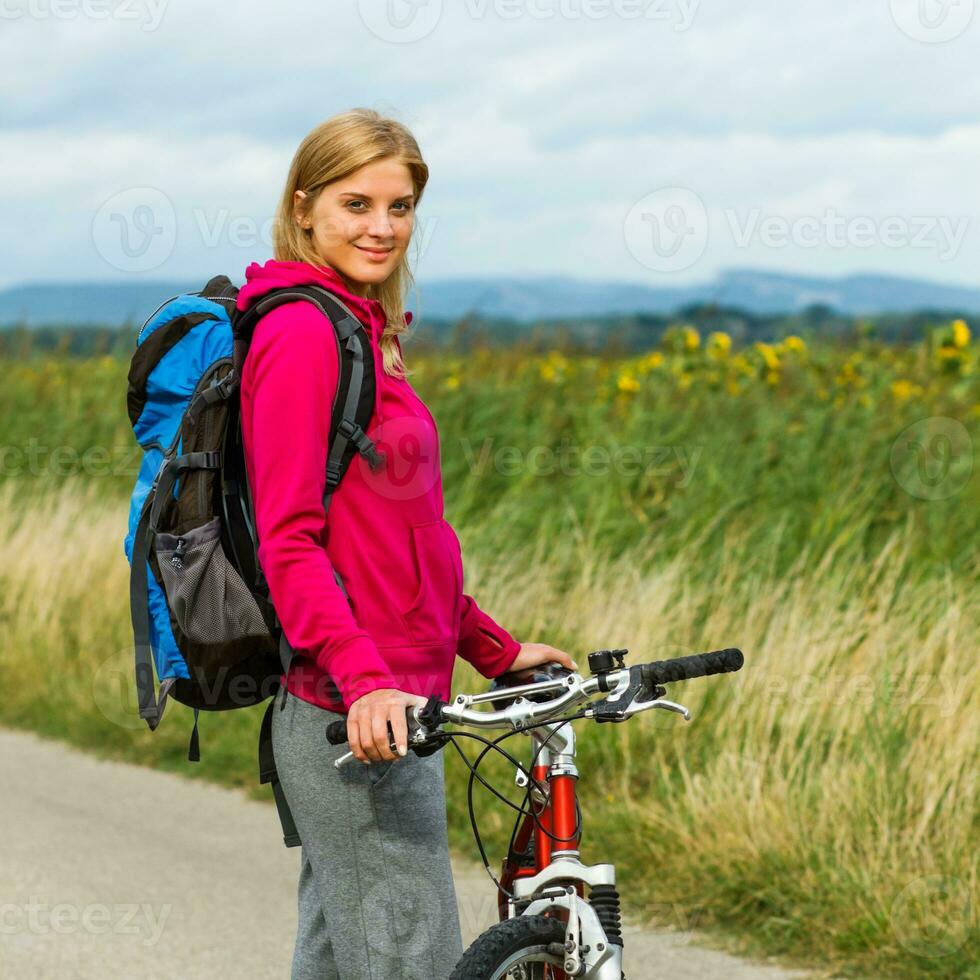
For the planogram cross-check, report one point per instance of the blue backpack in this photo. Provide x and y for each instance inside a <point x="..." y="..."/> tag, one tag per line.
<point x="200" y="606"/>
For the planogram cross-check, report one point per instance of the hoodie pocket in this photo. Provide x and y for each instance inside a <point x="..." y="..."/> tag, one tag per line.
<point x="431" y="617"/>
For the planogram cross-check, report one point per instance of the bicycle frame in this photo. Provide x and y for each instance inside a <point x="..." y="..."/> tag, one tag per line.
<point x="556" y="877"/>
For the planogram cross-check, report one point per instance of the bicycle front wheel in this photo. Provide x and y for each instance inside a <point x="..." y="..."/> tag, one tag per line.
<point x="528" y="947"/>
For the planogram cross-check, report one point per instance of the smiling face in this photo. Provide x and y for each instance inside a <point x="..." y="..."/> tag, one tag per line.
<point x="361" y="225"/>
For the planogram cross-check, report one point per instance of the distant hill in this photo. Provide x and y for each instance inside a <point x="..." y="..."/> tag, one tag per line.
<point x="526" y="300"/>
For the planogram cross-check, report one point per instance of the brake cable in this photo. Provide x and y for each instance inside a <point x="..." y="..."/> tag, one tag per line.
<point x="522" y="810"/>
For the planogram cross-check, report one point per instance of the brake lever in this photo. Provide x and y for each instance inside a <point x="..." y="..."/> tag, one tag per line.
<point x="422" y="740"/>
<point x="614" y="711"/>
<point x="663" y="703"/>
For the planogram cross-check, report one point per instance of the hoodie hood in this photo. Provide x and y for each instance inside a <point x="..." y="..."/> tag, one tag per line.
<point x="261" y="279"/>
<point x="275" y="274"/>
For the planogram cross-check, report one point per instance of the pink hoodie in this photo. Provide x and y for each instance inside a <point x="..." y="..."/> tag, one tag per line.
<point x="399" y="560"/>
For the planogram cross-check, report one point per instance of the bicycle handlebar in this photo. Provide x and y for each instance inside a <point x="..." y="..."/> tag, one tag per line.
<point x="570" y="689"/>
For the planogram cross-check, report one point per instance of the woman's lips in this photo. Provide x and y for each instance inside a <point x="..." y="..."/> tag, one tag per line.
<point x="375" y="254"/>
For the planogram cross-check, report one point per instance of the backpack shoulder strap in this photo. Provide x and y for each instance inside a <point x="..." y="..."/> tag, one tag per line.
<point x="355" y="394"/>
<point x="354" y="397"/>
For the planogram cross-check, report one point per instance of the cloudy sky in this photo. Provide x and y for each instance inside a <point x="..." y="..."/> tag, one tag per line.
<point x="654" y="141"/>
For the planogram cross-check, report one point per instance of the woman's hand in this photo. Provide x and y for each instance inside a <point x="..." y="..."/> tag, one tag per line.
<point x="532" y="654"/>
<point x="368" y="720"/>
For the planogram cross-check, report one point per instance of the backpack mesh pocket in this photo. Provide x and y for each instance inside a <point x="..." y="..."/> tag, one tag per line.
<point x="206" y="595"/>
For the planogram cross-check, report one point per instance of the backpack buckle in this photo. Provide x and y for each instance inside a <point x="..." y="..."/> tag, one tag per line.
<point x="224" y="385"/>
<point x="363" y="442"/>
<point x="350" y="430"/>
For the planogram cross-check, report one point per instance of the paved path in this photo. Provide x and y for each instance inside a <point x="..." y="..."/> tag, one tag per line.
<point x="111" y="871"/>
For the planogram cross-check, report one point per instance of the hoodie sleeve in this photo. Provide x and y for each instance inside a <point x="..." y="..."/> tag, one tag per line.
<point x="489" y="647"/>
<point x="288" y="382"/>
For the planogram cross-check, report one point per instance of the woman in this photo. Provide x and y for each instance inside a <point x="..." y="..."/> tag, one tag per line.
<point x="376" y="896"/>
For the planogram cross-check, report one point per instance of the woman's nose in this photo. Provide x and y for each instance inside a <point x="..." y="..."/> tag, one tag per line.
<point x="379" y="224"/>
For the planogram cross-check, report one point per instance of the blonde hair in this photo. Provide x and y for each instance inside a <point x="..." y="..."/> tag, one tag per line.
<point x="332" y="151"/>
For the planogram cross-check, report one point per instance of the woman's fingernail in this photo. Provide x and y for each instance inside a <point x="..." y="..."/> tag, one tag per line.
<point x="402" y="750"/>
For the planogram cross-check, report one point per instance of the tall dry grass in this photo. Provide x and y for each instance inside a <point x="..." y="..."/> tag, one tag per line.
<point x="822" y="803"/>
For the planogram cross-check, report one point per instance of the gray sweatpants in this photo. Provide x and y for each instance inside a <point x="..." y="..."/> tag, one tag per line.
<point x="376" y="893"/>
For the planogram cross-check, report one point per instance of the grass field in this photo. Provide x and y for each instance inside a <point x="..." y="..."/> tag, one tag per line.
<point x="815" y="505"/>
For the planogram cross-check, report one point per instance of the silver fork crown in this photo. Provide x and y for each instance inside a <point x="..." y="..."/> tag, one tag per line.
<point x="601" y="960"/>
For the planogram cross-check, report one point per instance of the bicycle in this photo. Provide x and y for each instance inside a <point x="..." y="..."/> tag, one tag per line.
<point x="549" y="930"/>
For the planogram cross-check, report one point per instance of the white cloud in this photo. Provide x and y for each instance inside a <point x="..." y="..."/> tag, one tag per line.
<point x="540" y="132"/>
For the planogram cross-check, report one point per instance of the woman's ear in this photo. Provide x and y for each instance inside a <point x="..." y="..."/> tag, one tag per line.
<point x="298" y="201"/>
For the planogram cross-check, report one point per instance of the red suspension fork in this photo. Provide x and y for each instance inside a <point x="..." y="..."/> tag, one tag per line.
<point x="563" y="813"/>
<point x="559" y="818"/>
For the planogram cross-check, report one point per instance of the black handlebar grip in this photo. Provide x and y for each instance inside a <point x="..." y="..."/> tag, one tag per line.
<point x="699" y="665"/>
<point x="337" y="732"/>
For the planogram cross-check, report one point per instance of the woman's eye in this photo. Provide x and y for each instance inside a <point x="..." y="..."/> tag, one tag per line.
<point x="401" y="204"/>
